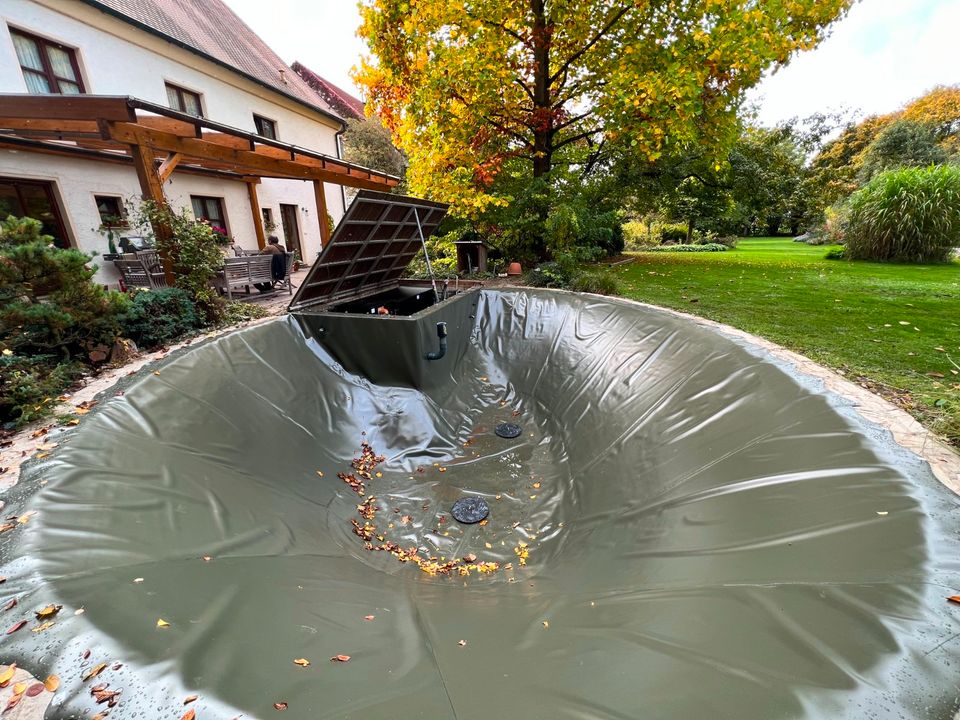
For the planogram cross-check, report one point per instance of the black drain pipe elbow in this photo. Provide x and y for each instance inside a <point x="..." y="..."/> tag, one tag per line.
<point x="442" y="335"/>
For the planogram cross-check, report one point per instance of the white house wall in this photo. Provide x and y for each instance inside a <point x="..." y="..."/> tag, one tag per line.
<point x="77" y="181"/>
<point x="116" y="58"/>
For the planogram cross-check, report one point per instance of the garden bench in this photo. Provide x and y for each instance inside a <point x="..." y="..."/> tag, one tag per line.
<point x="243" y="272"/>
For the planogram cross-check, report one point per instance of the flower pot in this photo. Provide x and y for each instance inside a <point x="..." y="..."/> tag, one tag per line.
<point x="514" y="269"/>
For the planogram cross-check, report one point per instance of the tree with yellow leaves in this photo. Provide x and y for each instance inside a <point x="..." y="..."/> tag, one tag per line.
<point x="478" y="90"/>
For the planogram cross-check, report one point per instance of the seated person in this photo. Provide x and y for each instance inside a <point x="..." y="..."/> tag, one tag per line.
<point x="278" y="264"/>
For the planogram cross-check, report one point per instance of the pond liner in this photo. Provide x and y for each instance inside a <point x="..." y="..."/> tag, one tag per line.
<point x="704" y="532"/>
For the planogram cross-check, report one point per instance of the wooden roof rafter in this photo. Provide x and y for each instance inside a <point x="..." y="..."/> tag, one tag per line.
<point x="114" y="125"/>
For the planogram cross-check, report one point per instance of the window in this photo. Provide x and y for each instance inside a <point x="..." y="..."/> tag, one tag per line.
<point x="111" y="212"/>
<point x="265" y="127"/>
<point x="211" y="210"/>
<point x="47" y="67"/>
<point x="183" y="100"/>
<point x="29" y="198"/>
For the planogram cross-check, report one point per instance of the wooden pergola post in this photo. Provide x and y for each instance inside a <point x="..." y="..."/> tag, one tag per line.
<point x="255" y="210"/>
<point x="151" y="187"/>
<point x="322" y="211"/>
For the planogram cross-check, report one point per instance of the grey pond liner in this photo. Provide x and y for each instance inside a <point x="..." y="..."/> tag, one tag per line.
<point x="710" y="537"/>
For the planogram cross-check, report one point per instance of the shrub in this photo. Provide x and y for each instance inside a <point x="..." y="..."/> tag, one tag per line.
<point x="48" y="301"/>
<point x="836" y="253"/>
<point x="155" y="317"/>
<point x="907" y="215"/>
<point x="708" y="247"/>
<point x="29" y="386"/>
<point x="672" y="233"/>
<point x="602" y="230"/>
<point x="195" y="255"/>
<point x="588" y="253"/>
<point x="599" y="282"/>
<point x="638" y="235"/>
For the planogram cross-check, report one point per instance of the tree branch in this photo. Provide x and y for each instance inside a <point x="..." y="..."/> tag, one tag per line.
<point x="502" y="26"/>
<point x="593" y="41"/>
<point x="571" y="121"/>
<point x="574" y="138"/>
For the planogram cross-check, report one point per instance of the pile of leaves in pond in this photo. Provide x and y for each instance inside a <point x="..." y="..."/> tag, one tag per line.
<point x="364" y="470"/>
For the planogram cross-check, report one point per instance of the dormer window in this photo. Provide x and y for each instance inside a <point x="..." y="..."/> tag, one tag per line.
<point x="186" y="101"/>
<point x="47" y="67"/>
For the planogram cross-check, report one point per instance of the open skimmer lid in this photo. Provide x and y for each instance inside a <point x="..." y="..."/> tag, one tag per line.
<point x="370" y="249"/>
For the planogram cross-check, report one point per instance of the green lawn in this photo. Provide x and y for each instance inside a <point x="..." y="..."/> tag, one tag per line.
<point x="893" y="328"/>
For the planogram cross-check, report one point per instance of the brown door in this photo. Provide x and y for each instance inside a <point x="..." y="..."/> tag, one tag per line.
<point x="291" y="230"/>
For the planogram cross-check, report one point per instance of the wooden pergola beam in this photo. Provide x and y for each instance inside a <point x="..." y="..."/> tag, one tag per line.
<point x="151" y="186"/>
<point x="321" y="198"/>
<point x="245" y="161"/>
<point x="255" y="211"/>
<point x="168" y="166"/>
<point x="67" y="107"/>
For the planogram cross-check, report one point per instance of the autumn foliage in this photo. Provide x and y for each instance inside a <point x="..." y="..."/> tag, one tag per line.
<point x="480" y="91"/>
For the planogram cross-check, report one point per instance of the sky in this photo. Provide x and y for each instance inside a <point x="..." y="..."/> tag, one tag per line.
<point x="884" y="53"/>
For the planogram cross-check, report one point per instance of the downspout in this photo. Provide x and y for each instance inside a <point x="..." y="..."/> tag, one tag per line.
<point x="343" y="191"/>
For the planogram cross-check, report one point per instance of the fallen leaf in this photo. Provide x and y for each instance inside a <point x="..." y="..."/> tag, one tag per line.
<point x="161" y="623"/>
<point x="7" y="675"/>
<point x="12" y="603"/>
<point x="19" y="688"/>
<point x="882" y="512"/>
<point x="470" y="558"/>
<point x="189" y="699"/>
<point x="546" y="623"/>
<point x="280" y="706"/>
<point x="369" y="617"/>
<point x="48" y="611"/>
<point x="536" y="486"/>
<point x="189" y="714"/>
<point x="16" y="627"/>
<point x="462" y="643"/>
<point x="94" y="671"/>
<point x="35" y="689"/>
<point x="79" y="611"/>
<point x="302" y="662"/>
<point x="206" y="558"/>
<point x="319" y="473"/>
<point x="42" y="626"/>
<point x="12" y="702"/>
<point x="138" y="580"/>
<point x="86" y="654"/>
<point x="340" y="658"/>
<point x="405" y="519"/>
<point x="52" y="683"/>
<point x="952" y="598"/>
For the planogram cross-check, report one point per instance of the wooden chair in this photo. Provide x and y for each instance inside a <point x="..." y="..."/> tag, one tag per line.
<point x="150" y="259"/>
<point x="133" y="273"/>
<point x="286" y="282"/>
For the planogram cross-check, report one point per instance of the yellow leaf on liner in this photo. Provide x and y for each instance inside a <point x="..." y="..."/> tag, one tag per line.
<point x="302" y="662"/>
<point x="7" y="675"/>
<point x="161" y="623"/>
<point x="52" y="683"/>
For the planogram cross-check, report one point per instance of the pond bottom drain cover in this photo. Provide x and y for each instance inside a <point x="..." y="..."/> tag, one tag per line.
<point x="470" y="510"/>
<point x="728" y="540"/>
<point x="508" y="430"/>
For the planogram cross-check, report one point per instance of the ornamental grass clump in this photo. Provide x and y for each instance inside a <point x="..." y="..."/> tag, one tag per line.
<point x="907" y="215"/>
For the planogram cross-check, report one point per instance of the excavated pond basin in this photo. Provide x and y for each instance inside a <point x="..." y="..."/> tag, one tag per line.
<point x="682" y="529"/>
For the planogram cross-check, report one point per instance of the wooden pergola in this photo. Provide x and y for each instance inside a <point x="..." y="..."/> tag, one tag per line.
<point x="157" y="140"/>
